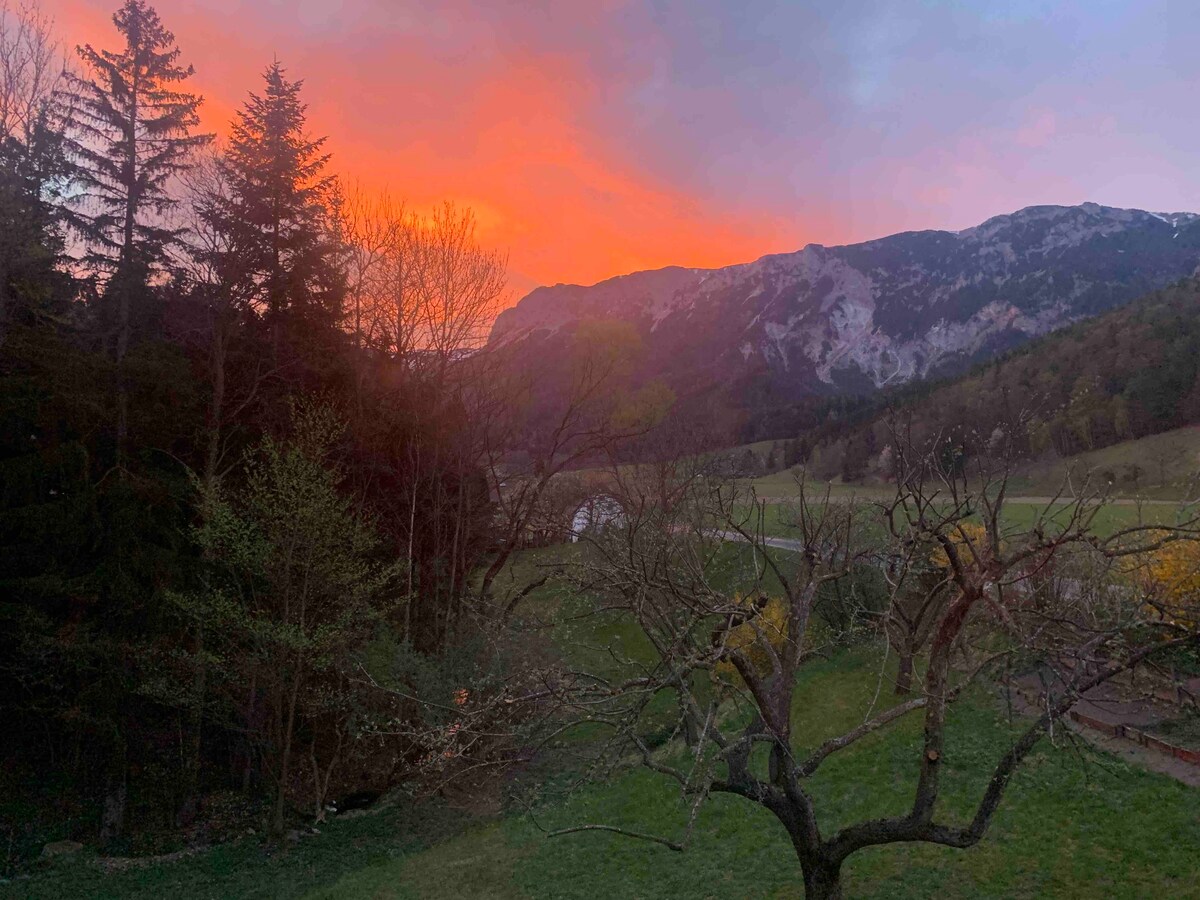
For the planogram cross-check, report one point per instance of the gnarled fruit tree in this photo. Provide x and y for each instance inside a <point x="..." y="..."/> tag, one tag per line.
<point x="1058" y="594"/>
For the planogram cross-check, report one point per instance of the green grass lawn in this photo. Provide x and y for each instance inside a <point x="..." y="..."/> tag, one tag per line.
<point x="1108" y="519"/>
<point x="1071" y="826"/>
<point x="1167" y="466"/>
<point x="1018" y="517"/>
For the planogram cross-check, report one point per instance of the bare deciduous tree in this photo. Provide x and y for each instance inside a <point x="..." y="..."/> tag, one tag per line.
<point x="460" y="286"/>
<point x="712" y="649"/>
<point x="373" y="228"/>
<point x="32" y="66"/>
<point x="422" y="292"/>
<point x="418" y="284"/>
<point x="919" y="588"/>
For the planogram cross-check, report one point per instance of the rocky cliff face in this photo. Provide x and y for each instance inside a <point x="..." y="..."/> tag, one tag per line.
<point x="863" y="316"/>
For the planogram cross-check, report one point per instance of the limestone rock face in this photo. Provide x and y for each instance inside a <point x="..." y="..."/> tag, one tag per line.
<point x="854" y="318"/>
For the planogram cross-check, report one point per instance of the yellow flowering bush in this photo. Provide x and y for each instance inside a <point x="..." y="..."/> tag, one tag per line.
<point x="966" y="537"/>
<point x="766" y="620"/>
<point x="1172" y="573"/>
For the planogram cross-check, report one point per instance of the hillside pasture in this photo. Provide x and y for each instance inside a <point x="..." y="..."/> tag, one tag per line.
<point x="1075" y="822"/>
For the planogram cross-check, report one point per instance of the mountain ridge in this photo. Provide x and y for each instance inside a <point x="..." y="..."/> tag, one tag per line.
<point x="854" y="318"/>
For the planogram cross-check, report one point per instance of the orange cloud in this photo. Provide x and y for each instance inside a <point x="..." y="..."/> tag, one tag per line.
<point x="497" y="131"/>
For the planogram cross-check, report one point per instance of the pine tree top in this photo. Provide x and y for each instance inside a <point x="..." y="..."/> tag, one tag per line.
<point x="269" y="146"/>
<point x="131" y="132"/>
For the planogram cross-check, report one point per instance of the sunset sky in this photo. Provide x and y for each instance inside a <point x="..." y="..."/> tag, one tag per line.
<point x="596" y="137"/>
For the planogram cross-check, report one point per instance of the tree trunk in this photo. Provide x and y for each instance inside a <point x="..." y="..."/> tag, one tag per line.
<point x="3" y="305"/>
<point x="121" y="350"/>
<point x="409" y="561"/>
<point x="285" y="758"/>
<point x="822" y="875"/>
<point x="248" y="763"/>
<point x="216" y="409"/>
<point x="190" y="804"/>
<point x="275" y="301"/>
<point x="116" y="794"/>
<point x="124" y="277"/>
<point x="822" y="881"/>
<point x="904" y="675"/>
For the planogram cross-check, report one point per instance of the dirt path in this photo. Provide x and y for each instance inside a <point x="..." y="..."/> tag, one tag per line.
<point x="1112" y="704"/>
<point x="1137" y="755"/>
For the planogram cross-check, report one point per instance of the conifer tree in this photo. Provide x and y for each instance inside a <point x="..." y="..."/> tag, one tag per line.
<point x="280" y="201"/>
<point x="132" y="133"/>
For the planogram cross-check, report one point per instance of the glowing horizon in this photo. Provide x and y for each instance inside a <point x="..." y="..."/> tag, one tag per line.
<point x="614" y="136"/>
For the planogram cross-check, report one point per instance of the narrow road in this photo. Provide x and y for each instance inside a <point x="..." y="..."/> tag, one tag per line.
<point x="780" y="543"/>
<point x="841" y="497"/>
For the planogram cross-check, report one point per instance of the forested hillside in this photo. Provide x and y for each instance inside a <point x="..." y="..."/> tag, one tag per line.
<point x="1130" y="373"/>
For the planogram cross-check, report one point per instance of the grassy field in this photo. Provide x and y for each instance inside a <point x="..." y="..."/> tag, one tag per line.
<point x="778" y="518"/>
<point x="1166" y="467"/>
<point x="1168" y="463"/>
<point x="1074" y="824"/>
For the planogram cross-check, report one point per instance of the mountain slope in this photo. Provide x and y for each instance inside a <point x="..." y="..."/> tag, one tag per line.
<point x="760" y="338"/>
<point x="1125" y="375"/>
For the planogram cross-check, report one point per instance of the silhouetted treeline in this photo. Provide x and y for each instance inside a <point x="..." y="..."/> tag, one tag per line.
<point x="226" y="479"/>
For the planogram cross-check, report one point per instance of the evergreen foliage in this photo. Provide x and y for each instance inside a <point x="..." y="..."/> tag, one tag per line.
<point x="199" y="559"/>
<point x="131" y="134"/>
